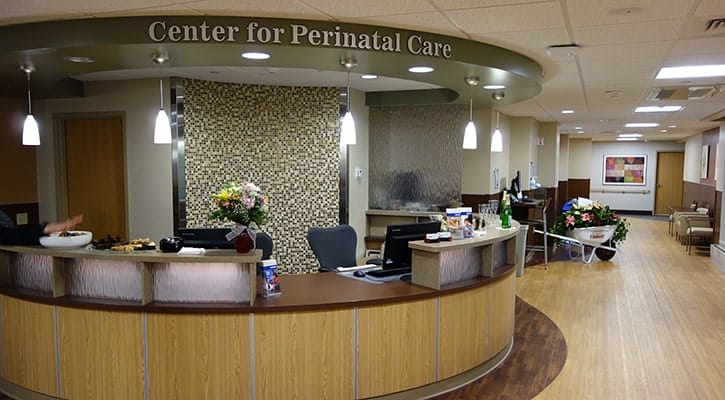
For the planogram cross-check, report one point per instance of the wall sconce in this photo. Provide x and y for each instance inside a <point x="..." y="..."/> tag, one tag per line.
<point x="162" y="128"/>
<point x="470" y="137"/>
<point x="31" y="135"/>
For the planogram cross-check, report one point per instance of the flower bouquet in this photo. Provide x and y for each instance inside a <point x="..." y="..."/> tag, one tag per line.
<point x="245" y="205"/>
<point x="591" y="223"/>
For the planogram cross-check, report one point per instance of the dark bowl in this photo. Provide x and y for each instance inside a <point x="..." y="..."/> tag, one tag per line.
<point x="171" y="244"/>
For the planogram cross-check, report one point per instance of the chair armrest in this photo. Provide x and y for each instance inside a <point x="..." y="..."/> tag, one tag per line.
<point x="699" y="221"/>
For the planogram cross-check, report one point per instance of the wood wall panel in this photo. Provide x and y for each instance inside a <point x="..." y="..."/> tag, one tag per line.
<point x="406" y="357"/>
<point x="464" y="328"/>
<point x="28" y="345"/>
<point x="578" y="188"/>
<point x="503" y="294"/>
<point x="304" y="355"/>
<point x="17" y="162"/>
<point x="193" y="356"/>
<point x="101" y="354"/>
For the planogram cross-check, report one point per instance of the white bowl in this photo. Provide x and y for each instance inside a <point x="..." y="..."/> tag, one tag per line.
<point x="80" y="239"/>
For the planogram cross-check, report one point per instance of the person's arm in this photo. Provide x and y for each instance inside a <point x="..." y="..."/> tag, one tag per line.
<point x="25" y="235"/>
<point x="28" y="235"/>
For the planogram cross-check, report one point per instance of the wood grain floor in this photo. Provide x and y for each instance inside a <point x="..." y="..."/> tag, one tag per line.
<point x="649" y="324"/>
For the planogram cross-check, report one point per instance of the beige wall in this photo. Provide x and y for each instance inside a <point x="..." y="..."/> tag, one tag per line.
<point x="547" y="155"/>
<point x="17" y="162"/>
<point x="358" y="157"/>
<point x="693" y="154"/>
<point x="148" y="166"/>
<point x="476" y="176"/>
<point x="580" y="159"/>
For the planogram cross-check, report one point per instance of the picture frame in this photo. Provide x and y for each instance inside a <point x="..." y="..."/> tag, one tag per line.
<point x="628" y="169"/>
<point x="705" y="161"/>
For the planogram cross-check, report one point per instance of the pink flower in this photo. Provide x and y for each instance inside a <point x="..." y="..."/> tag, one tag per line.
<point x="570" y="220"/>
<point x="586" y="217"/>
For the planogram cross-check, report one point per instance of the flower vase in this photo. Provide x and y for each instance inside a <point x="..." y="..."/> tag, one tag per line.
<point x="244" y="238"/>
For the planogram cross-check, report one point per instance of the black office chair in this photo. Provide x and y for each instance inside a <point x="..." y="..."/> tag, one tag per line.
<point x="333" y="247"/>
<point x="266" y="244"/>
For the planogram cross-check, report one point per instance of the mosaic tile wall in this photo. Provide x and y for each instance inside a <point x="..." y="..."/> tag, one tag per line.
<point x="416" y="156"/>
<point x="284" y="139"/>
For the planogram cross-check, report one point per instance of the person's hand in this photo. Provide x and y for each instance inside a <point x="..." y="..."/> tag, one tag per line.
<point x="63" y="226"/>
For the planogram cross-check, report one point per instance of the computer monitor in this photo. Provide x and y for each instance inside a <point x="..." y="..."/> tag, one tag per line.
<point x="208" y="238"/>
<point x="397" y="254"/>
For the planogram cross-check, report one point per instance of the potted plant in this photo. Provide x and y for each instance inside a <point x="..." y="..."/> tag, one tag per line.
<point x="246" y="206"/>
<point x="591" y="222"/>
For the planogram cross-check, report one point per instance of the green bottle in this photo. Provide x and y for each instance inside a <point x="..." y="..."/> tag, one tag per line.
<point x="505" y="212"/>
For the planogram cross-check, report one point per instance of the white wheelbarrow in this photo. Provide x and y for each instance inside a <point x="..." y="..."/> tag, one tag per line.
<point x="593" y="237"/>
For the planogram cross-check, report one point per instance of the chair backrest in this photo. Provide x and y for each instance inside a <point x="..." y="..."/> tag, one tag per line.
<point x="266" y="244"/>
<point x="334" y="247"/>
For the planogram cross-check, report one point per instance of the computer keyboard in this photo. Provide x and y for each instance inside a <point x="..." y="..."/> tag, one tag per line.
<point x="383" y="273"/>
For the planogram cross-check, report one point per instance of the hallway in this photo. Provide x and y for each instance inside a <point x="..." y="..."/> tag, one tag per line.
<point x="649" y="324"/>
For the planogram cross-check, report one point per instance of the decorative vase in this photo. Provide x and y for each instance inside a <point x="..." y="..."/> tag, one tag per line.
<point x="243" y="243"/>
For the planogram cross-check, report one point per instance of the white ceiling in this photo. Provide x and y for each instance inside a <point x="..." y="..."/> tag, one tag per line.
<point x="623" y="44"/>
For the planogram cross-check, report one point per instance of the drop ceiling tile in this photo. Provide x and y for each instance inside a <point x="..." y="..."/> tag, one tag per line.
<point x="625" y="50"/>
<point x="711" y="8"/>
<point x="510" y="18"/>
<point x="621" y="64"/>
<point x="651" y="31"/>
<point x="253" y="8"/>
<point x="432" y="22"/>
<point x="347" y="9"/>
<point x="461" y="4"/>
<point x="597" y="12"/>
<point x="713" y="45"/>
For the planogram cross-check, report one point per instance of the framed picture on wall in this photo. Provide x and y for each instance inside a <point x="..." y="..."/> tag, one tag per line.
<point x="625" y="170"/>
<point x="704" y="161"/>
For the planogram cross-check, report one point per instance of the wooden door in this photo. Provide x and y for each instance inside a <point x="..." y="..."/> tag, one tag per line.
<point x="669" y="181"/>
<point x="95" y="174"/>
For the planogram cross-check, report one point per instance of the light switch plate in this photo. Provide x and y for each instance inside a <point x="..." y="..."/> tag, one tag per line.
<point x="21" y="219"/>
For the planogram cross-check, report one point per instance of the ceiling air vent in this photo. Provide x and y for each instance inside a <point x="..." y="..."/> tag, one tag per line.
<point x="715" y="24"/>
<point x="716" y="117"/>
<point x="681" y="93"/>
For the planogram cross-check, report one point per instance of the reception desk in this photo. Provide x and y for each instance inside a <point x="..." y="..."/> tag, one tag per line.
<point x="326" y="336"/>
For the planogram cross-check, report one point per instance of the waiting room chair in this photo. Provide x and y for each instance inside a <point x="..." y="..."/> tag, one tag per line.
<point x="698" y="227"/>
<point x="334" y="247"/>
<point x="680" y="225"/>
<point x="265" y="243"/>
<point x="537" y="219"/>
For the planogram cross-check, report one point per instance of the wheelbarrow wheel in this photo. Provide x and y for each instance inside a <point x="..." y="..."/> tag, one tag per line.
<point x="605" y="254"/>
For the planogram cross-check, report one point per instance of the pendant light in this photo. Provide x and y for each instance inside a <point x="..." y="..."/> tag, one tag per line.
<point x="497" y="139"/>
<point x="347" y="130"/>
<point x="31" y="135"/>
<point x="470" y="137"/>
<point x="162" y="128"/>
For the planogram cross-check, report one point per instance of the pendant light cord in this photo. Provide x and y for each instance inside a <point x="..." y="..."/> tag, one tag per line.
<point x="30" y="107"/>
<point x="161" y="89"/>
<point x="348" y="91"/>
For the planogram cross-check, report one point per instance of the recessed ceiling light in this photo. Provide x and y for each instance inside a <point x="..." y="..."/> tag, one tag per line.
<point x="653" y="109"/>
<point x="691" y="71"/>
<point x="567" y="111"/>
<point x="255" y="55"/>
<point x="641" y="124"/>
<point x="494" y="87"/>
<point x="626" y="139"/>
<point x="369" y="76"/>
<point x="672" y="126"/>
<point x="663" y="130"/>
<point x="78" y="59"/>
<point x="420" y="69"/>
<point x="635" y="135"/>
<point x="578" y="128"/>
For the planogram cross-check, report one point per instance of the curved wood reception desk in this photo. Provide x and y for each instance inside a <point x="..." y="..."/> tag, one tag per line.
<point x="68" y="331"/>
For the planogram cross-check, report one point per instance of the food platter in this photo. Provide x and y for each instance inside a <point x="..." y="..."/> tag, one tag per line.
<point x="66" y="239"/>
